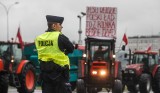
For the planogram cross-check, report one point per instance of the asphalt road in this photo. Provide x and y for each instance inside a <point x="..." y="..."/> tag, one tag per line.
<point x="13" y="90"/>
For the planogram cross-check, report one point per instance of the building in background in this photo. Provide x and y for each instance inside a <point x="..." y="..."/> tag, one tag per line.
<point x="143" y="42"/>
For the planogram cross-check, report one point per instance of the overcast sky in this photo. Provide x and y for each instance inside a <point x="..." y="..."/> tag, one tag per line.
<point x="135" y="17"/>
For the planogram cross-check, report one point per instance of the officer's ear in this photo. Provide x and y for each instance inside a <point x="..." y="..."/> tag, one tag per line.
<point x="53" y="25"/>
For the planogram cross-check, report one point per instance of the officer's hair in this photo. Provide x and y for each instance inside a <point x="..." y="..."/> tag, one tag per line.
<point x="50" y="24"/>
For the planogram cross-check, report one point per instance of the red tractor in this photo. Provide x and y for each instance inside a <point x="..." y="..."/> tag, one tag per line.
<point x="15" y="71"/>
<point x="97" y="71"/>
<point x="143" y="73"/>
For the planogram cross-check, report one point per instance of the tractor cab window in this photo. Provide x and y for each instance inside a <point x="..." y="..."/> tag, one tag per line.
<point x="5" y="53"/>
<point x="8" y="52"/>
<point x="99" y="51"/>
<point x="152" y="60"/>
<point x="4" y="49"/>
<point x="140" y="58"/>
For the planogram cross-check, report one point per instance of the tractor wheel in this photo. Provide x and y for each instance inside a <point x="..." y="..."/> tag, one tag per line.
<point x="156" y="87"/>
<point x="117" y="88"/>
<point x="145" y="83"/>
<point x="27" y="79"/>
<point x="73" y="85"/>
<point x="4" y="81"/>
<point x="80" y="86"/>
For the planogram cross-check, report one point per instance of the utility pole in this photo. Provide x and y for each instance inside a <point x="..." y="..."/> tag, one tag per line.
<point x="80" y="27"/>
<point x="7" y="9"/>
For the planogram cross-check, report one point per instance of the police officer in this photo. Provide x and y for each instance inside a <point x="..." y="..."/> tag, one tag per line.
<point x="53" y="47"/>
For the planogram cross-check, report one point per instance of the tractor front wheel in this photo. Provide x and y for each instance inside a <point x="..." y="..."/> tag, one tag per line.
<point x="27" y="79"/>
<point x="4" y="81"/>
<point x="156" y="87"/>
<point x="80" y="86"/>
<point x="145" y="83"/>
<point x="117" y="88"/>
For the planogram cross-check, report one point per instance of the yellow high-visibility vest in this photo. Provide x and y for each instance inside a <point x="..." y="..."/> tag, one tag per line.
<point x="48" y="50"/>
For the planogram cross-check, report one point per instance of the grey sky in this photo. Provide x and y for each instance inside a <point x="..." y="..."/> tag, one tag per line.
<point x="135" y="17"/>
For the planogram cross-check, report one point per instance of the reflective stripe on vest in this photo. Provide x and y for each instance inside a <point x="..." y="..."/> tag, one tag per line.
<point x="48" y="50"/>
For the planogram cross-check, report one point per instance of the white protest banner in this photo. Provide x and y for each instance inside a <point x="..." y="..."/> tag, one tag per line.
<point x="101" y="21"/>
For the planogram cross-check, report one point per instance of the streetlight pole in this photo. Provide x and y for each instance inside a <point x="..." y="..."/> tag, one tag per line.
<point x="7" y="12"/>
<point x="80" y="27"/>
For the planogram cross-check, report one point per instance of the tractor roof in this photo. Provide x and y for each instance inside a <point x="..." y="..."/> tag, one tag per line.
<point x="99" y="39"/>
<point x="145" y="52"/>
<point x="4" y="42"/>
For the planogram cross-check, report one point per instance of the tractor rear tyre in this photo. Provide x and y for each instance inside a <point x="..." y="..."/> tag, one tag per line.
<point x="4" y="81"/>
<point x="80" y="86"/>
<point x="117" y="88"/>
<point x="27" y="79"/>
<point x="145" y="83"/>
<point x="156" y="87"/>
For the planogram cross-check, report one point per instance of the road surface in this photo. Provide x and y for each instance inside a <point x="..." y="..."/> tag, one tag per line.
<point x="13" y="90"/>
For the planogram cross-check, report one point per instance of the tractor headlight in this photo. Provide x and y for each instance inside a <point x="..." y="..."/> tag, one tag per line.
<point x="94" y="72"/>
<point x="103" y="72"/>
<point x="114" y="56"/>
<point x="12" y="59"/>
<point x="84" y="55"/>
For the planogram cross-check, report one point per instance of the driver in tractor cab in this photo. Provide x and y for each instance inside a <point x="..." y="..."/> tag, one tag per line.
<point x="7" y="58"/>
<point x="145" y="62"/>
<point x="99" y="54"/>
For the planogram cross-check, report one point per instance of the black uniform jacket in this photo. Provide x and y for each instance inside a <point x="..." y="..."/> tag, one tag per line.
<point x="64" y="44"/>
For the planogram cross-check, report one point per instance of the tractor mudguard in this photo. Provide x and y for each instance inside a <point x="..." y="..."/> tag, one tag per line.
<point x="155" y="70"/>
<point x="81" y="66"/>
<point x="117" y="66"/>
<point x="1" y="65"/>
<point x="21" y="65"/>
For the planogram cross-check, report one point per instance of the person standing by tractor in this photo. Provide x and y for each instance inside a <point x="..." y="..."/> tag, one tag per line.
<point x="53" y="47"/>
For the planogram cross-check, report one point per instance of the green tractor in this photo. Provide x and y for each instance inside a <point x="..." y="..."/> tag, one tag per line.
<point x="30" y="53"/>
<point x="14" y="70"/>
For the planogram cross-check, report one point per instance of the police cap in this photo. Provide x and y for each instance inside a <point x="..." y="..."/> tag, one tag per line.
<point x="56" y="19"/>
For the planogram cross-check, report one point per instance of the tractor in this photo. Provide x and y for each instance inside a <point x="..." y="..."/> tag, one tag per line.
<point x="143" y="73"/>
<point x="14" y="70"/>
<point x="97" y="72"/>
<point x="30" y="53"/>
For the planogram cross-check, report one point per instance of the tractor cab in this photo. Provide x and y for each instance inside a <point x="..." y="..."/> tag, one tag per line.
<point x="98" y="59"/>
<point x="10" y="53"/>
<point x="144" y="60"/>
<point x="99" y="68"/>
<point x="145" y="57"/>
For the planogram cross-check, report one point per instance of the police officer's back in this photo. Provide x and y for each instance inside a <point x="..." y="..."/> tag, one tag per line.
<point x="53" y="47"/>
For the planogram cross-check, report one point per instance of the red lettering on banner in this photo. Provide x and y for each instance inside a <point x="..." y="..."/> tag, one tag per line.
<point x="92" y="10"/>
<point x="108" y="10"/>
<point x="101" y="21"/>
